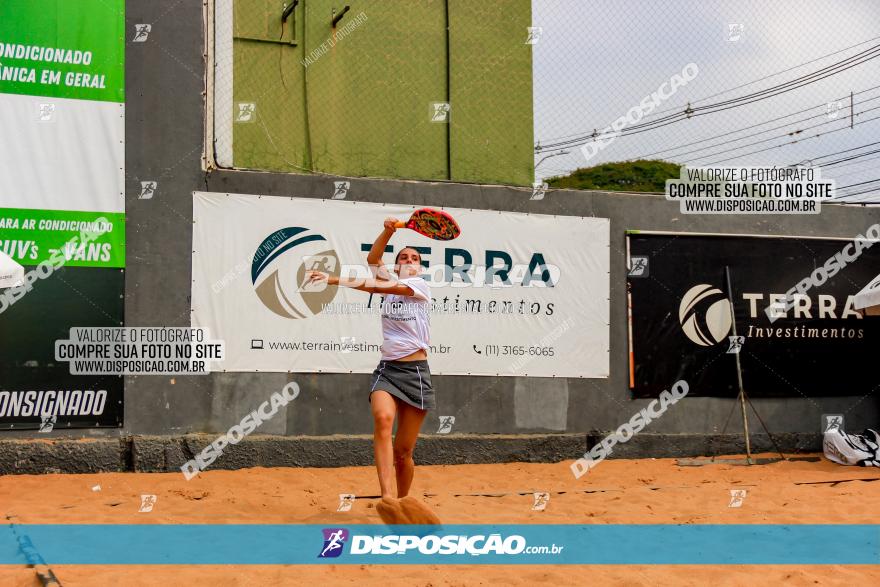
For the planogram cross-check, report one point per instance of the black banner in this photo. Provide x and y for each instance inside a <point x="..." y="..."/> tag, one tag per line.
<point x="681" y="325"/>
<point x="33" y="387"/>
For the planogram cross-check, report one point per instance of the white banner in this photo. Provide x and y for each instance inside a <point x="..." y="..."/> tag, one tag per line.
<point x="542" y="311"/>
<point x="62" y="154"/>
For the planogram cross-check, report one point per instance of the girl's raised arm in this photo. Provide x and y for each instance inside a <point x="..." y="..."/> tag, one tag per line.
<point x="374" y="257"/>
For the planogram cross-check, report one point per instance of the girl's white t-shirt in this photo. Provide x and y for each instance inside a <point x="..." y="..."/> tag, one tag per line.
<point x="406" y="320"/>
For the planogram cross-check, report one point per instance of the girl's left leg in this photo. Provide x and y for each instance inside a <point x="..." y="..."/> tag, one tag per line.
<point x="384" y="408"/>
<point x="409" y="421"/>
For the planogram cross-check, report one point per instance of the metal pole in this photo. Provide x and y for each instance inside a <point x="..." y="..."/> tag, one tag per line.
<point x="739" y="377"/>
<point x="306" y="119"/>
<point x="448" y="94"/>
<point x="551" y="155"/>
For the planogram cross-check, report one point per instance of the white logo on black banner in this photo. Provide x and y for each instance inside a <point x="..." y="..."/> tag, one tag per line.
<point x="47" y="423"/>
<point x="704" y="314"/>
<point x="638" y="267"/>
<point x="736" y="344"/>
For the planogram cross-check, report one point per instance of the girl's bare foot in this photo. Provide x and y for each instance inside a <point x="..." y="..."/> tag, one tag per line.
<point x="391" y="511"/>
<point x="418" y="512"/>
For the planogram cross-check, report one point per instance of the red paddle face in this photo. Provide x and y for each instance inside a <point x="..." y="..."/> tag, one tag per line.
<point x="435" y="224"/>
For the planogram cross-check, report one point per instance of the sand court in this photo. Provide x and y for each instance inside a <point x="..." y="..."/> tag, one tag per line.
<point x="647" y="491"/>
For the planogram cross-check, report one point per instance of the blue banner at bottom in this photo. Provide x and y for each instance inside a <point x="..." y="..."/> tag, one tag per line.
<point x="255" y="544"/>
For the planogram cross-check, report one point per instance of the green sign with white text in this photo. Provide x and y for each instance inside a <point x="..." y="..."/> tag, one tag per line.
<point x="62" y="115"/>
<point x="63" y="48"/>
<point x="62" y="204"/>
<point x="33" y="236"/>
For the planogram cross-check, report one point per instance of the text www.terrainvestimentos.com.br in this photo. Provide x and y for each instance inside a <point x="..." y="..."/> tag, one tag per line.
<point x="346" y="345"/>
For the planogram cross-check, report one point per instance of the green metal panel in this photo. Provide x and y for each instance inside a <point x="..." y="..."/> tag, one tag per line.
<point x="268" y="75"/>
<point x="491" y="91"/>
<point x="369" y="93"/>
<point x="355" y="99"/>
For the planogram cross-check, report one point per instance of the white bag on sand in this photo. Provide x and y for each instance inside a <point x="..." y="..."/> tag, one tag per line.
<point x="852" y="449"/>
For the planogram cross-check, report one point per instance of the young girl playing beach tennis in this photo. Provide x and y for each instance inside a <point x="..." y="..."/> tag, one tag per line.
<point x="401" y="383"/>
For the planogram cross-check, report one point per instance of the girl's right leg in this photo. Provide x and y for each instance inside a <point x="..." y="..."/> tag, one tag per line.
<point x="384" y="410"/>
<point x="409" y="422"/>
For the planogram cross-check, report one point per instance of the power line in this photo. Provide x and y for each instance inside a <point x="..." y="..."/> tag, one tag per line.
<point x="862" y="170"/>
<point x="843" y="187"/>
<point x="770" y="130"/>
<point x="765" y="94"/>
<point x="793" y="142"/>
<point x="811" y="159"/>
<point x="646" y="155"/>
<point x="779" y="137"/>
<point x="741" y="85"/>
<point x="868" y="191"/>
<point x="850" y="158"/>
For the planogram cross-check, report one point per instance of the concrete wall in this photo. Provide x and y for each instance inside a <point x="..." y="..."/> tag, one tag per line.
<point x="164" y="143"/>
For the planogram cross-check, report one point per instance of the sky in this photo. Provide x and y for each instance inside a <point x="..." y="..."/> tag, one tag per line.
<point x="594" y="60"/>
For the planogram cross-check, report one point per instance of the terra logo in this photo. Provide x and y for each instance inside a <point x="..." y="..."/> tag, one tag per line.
<point x="704" y="314"/>
<point x="334" y="540"/>
<point x="279" y="268"/>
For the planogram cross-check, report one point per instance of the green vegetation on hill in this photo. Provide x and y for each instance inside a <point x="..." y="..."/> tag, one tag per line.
<point x="629" y="176"/>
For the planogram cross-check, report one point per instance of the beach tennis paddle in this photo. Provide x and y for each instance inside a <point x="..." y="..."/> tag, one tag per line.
<point x="434" y="224"/>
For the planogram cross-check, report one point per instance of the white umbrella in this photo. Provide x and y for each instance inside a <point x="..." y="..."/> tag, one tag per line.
<point x="869" y="298"/>
<point x="11" y="273"/>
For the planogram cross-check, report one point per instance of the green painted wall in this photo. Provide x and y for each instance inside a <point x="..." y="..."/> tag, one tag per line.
<point x="368" y="92"/>
<point x="270" y="76"/>
<point x="491" y="83"/>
